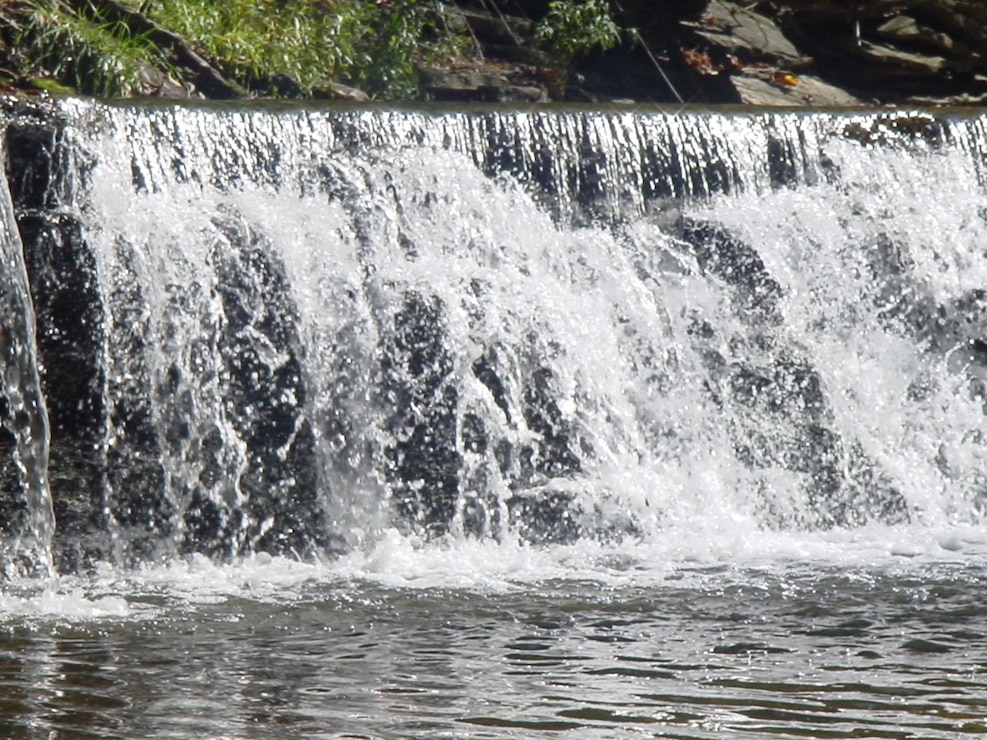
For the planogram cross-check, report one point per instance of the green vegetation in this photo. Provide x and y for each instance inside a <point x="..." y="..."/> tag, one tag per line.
<point x="255" y="43"/>
<point x="312" y="42"/>
<point x="573" y="27"/>
<point x="79" y="50"/>
<point x="116" y="48"/>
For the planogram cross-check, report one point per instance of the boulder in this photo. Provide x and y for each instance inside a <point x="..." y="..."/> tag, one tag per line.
<point x="740" y="31"/>
<point x="904" y="52"/>
<point x="893" y="61"/>
<point x="790" y="90"/>
<point x="339" y="91"/>
<point x="902" y="28"/>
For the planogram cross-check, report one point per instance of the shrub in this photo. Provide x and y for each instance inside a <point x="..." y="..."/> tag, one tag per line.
<point x="256" y="43"/>
<point x="313" y="42"/>
<point x="573" y="27"/>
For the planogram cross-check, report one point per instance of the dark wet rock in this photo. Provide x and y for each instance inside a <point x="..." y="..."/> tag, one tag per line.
<point x="778" y="389"/>
<point x="29" y="145"/>
<point x="142" y="513"/>
<point x="34" y="151"/>
<point x="545" y="517"/>
<point x="552" y="456"/>
<point x="112" y="432"/>
<point x="63" y="277"/>
<point x="557" y="514"/>
<point x="61" y="271"/>
<point x="434" y="439"/>
<point x="265" y="395"/>
<point x="423" y="461"/>
<point x="735" y="262"/>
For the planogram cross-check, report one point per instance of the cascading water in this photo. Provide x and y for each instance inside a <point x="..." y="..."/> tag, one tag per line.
<point x="492" y="423"/>
<point x="305" y="327"/>
<point x="28" y="516"/>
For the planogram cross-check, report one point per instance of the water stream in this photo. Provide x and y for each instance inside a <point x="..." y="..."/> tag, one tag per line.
<point x="483" y="423"/>
<point x="29" y="520"/>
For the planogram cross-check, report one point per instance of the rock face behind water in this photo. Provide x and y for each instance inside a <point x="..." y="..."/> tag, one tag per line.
<point x="61" y="272"/>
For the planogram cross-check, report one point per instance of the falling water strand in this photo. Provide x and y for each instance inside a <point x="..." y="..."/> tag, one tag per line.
<point x="26" y="418"/>
<point x="325" y="323"/>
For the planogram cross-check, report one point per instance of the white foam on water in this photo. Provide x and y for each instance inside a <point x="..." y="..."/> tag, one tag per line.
<point x="870" y="261"/>
<point x="648" y="350"/>
<point x="680" y="558"/>
<point x="683" y="560"/>
<point x="28" y="602"/>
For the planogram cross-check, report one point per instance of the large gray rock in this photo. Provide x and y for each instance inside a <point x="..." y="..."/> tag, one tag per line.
<point x="906" y="29"/>
<point x="740" y="30"/>
<point x="803" y="91"/>
<point x="902" y="52"/>
<point x="896" y="61"/>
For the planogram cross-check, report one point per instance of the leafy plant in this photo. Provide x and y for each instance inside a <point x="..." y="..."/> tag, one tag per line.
<point x="573" y="27"/>
<point x="267" y="46"/>
<point x="253" y="40"/>
<point x="387" y="61"/>
<point x="371" y="45"/>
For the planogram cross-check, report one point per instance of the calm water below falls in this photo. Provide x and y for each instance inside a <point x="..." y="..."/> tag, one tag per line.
<point x="373" y="423"/>
<point x="835" y="639"/>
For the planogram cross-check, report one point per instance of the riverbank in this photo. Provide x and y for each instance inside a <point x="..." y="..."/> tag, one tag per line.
<point x="791" y="53"/>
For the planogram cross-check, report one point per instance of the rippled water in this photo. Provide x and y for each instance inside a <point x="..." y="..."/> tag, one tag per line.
<point x="311" y="326"/>
<point x="875" y="634"/>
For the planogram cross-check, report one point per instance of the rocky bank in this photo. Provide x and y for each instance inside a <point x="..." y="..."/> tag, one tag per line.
<point x="794" y="53"/>
<point x="782" y="53"/>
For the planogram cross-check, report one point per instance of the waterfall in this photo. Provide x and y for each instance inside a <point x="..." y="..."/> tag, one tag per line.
<point x="299" y="328"/>
<point x="28" y="518"/>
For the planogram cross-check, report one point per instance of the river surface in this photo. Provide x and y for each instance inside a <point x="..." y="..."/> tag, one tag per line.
<point x="874" y="633"/>
<point x="738" y="358"/>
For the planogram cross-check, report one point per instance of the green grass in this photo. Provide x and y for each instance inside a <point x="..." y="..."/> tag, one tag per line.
<point x="82" y="52"/>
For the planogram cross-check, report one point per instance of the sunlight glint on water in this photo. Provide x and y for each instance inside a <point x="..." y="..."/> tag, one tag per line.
<point x="522" y="424"/>
<point x="846" y="317"/>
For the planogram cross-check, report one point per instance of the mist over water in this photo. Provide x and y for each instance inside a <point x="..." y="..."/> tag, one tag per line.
<point x="500" y="423"/>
